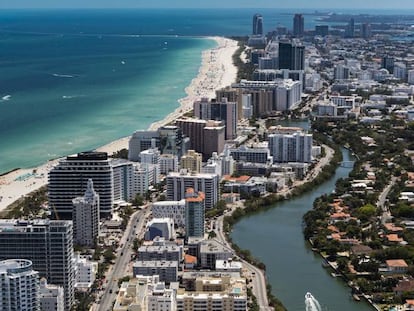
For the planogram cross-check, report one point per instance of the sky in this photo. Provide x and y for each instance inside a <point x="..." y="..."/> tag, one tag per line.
<point x="312" y="4"/>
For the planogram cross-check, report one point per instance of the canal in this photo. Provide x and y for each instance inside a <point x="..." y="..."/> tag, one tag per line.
<point x="275" y="237"/>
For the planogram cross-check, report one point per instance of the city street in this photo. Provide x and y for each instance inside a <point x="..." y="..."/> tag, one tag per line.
<point x="135" y="228"/>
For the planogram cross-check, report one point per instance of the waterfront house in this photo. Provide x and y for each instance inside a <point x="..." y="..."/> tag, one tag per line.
<point x="403" y="286"/>
<point x="397" y="266"/>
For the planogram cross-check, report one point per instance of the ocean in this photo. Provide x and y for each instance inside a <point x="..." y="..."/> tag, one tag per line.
<point x="73" y="80"/>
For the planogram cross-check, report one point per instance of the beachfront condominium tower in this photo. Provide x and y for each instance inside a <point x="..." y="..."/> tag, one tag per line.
<point x="19" y="286"/>
<point x="48" y="244"/>
<point x="257" y="24"/>
<point x="222" y="110"/>
<point x="69" y="179"/>
<point x="206" y="137"/>
<point x="298" y="25"/>
<point x="194" y="213"/>
<point x="86" y="217"/>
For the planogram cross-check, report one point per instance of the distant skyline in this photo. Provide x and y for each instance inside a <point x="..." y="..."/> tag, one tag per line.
<point x="294" y="4"/>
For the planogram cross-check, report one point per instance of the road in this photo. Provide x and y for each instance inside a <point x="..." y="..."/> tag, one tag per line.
<point x="258" y="278"/>
<point x="386" y="214"/>
<point x="118" y="270"/>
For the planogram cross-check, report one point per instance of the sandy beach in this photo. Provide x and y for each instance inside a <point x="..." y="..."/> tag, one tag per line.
<point x="216" y="71"/>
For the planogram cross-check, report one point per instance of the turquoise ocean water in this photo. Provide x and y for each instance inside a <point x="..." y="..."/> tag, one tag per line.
<point x="73" y="80"/>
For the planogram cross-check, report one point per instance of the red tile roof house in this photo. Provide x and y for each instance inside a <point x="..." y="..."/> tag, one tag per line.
<point x="396" y="266"/>
<point x="404" y="286"/>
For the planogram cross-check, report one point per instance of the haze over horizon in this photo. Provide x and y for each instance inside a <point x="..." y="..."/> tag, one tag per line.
<point x="294" y="4"/>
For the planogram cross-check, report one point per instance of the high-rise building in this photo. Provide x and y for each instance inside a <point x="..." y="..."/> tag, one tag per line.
<point x="51" y="297"/>
<point x="350" y="29"/>
<point x="257" y="24"/>
<point x="291" y="55"/>
<point x="214" y="138"/>
<point x="322" y="30"/>
<point x="388" y="63"/>
<point x="85" y="217"/>
<point x="19" y="286"/>
<point x="194" y="213"/>
<point x="178" y="183"/>
<point x="222" y="110"/>
<point x="295" y="147"/>
<point x="48" y="244"/>
<point x="140" y="141"/>
<point x="69" y="180"/>
<point x="191" y="161"/>
<point x="298" y="25"/>
<point x="366" y="30"/>
<point x="123" y="177"/>
<point x="341" y="72"/>
<point x="206" y="137"/>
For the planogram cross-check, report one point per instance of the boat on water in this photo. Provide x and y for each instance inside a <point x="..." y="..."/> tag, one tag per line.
<point x="311" y="304"/>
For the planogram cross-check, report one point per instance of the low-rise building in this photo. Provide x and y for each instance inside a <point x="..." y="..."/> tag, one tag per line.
<point x="170" y="209"/>
<point x="166" y="270"/>
<point x="85" y="272"/>
<point x="51" y="297"/>
<point x="225" y="293"/>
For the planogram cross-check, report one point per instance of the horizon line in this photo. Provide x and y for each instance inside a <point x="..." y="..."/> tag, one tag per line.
<point x="202" y="8"/>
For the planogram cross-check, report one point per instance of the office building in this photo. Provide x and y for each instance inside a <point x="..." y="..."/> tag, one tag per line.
<point x="295" y="147"/>
<point x="86" y="217"/>
<point x="19" y="286"/>
<point x="166" y="270"/>
<point x="178" y="183"/>
<point x="298" y="25"/>
<point x="48" y="244"/>
<point x="170" y="209"/>
<point x="222" y="110"/>
<point x="160" y="227"/>
<point x="257" y="24"/>
<point x="69" y="179"/>
<point x="191" y="161"/>
<point x="51" y="297"/>
<point x="194" y="213"/>
<point x="291" y="55"/>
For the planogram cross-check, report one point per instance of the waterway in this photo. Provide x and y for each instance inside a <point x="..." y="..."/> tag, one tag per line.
<point x="275" y="237"/>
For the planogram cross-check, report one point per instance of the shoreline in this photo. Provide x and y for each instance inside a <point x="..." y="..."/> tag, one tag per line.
<point x="216" y="71"/>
